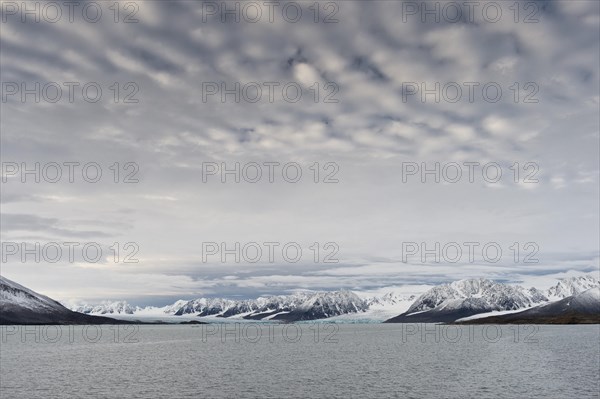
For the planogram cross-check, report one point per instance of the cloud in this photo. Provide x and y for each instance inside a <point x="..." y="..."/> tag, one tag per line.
<point x="20" y="222"/>
<point x="356" y="113"/>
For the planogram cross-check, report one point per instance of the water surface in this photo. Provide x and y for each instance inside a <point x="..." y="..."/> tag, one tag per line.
<point x="300" y="361"/>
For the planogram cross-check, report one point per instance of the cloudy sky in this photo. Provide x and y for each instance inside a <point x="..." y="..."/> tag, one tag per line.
<point x="384" y="86"/>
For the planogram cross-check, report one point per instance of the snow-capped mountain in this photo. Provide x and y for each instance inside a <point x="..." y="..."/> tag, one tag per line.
<point x="119" y="307"/>
<point x="585" y="302"/>
<point x="15" y="295"/>
<point x="486" y="293"/>
<point x="442" y="303"/>
<point x="588" y="301"/>
<point x="216" y="307"/>
<point x="169" y="309"/>
<point x="583" y="307"/>
<point x="572" y="286"/>
<point x="300" y="306"/>
<point x="323" y="305"/>
<point x="20" y="305"/>
<point x="463" y="298"/>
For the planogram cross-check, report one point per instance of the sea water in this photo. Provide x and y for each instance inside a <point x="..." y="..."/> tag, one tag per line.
<point x="257" y="360"/>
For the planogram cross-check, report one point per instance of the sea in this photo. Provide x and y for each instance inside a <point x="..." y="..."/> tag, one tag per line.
<point x="300" y="360"/>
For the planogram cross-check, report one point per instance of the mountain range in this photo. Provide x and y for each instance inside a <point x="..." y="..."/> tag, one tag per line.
<point x="299" y="306"/>
<point x="443" y="303"/>
<point x="571" y="299"/>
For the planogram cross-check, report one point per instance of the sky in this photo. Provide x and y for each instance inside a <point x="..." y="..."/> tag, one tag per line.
<point x="340" y="106"/>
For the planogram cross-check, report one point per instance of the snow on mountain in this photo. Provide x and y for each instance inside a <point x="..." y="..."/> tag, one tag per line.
<point x="467" y="298"/>
<point x="464" y="298"/>
<point x="169" y="309"/>
<point x="572" y="286"/>
<point x="336" y="305"/>
<point x="390" y="299"/>
<point x="380" y="307"/>
<point x="299" y="306"/>
<point x="581" y="308"/>
<point x="119" y="307"/>
<point x="13" y="294"/>
<point x="122" y="308"/>
<point x="20" y="305"/>
<point x="215" y="307"/>
<point x="446" y="302"/>
<point x="477" y="294"/>
<point x="588" y="301"/>
<point x="322" y="305"/>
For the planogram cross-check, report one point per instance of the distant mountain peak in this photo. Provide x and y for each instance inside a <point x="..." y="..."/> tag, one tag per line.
<point x="570" y="286"/>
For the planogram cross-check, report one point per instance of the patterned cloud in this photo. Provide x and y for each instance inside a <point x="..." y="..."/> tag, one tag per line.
<point x="354" y="91"/>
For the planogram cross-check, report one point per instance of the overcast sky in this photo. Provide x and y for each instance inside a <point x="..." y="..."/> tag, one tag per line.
<point x="360" y="116"/>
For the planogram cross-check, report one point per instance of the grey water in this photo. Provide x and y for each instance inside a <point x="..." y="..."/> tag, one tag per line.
<point x="300" y="361"/>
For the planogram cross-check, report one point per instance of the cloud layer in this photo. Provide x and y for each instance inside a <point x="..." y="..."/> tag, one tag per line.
<point x="362" y="113"/>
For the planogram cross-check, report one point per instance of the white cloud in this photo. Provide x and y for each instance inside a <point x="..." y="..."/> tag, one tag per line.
<point x="369" y="132"/>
